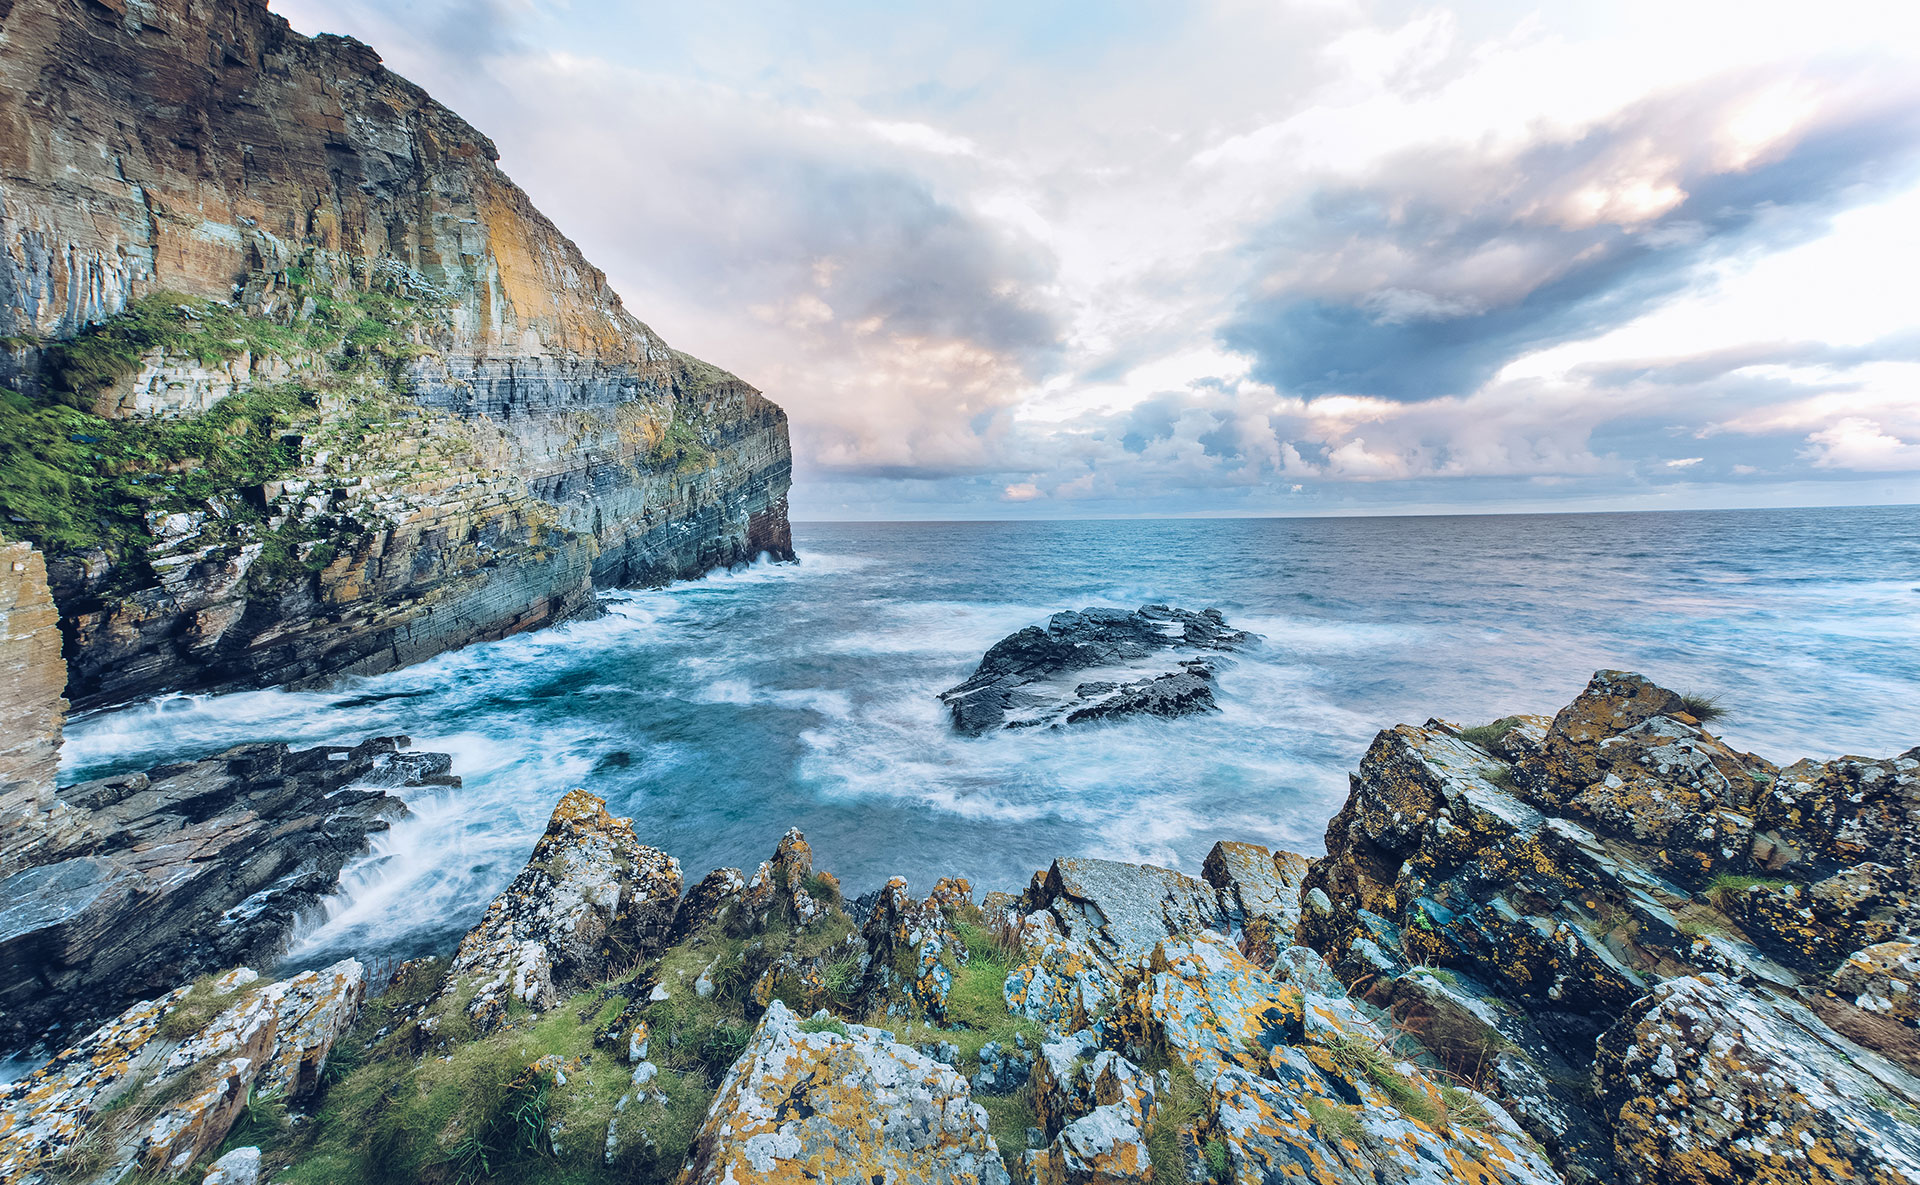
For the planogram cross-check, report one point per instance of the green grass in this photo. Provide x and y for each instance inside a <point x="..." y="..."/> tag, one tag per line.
<point x="824" y="1024"/>
<point x="1182" y="1107"/>
<point x="1722" y="889"/>
<point x="1335" y="1119"/>
<point x="1466" y="1110"/>
<point x="681" y="449"/>
<point x="1008" y="1118"/>
<point x="1500" y="775"/>
<point x="1488" y="735"/>
<point x="1358" y="1058"/>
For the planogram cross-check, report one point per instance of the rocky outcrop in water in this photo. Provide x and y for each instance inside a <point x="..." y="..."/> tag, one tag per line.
<point x="309" y="384"/>
<point x="1028" y="679"/>
<point x="151" y="879"/>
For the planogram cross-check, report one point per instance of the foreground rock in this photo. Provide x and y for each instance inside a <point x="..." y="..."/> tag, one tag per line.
<point x="847" y="1105"/>
<point x="591" y="898"/>
<point x="1567" y="876"/>
<point x="158" y="1088"/>
<point x="1038" y="676"/>
<point x="140" y="882"/>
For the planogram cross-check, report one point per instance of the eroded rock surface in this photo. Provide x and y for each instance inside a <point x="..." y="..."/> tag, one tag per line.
<point x="1515" y="892"/>
<point x="591" y="897"/>
<point x="849" y="1107"/>
<point x="145" y="1092"/>
<point x="1040" y="675"/>
<point x="155" y="878"/>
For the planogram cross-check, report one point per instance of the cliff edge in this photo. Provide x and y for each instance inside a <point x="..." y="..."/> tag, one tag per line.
<point x="297" y="382"/>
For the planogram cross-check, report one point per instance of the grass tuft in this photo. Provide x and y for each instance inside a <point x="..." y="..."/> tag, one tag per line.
<point x="1722" y="889"/>
<point x="1486" y="736"/>
<point x="1703" y="706"/>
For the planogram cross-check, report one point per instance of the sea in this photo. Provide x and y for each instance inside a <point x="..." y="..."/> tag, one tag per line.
<point x="719" y="712"/>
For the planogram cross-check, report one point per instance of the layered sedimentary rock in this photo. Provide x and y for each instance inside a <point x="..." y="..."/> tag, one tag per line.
<point x="484" y="434"/>
<point x="1720" y="929"/>
<point x="1035" y="677"/>
<point x="32" y="706"/>
<point x="154" y="878"/>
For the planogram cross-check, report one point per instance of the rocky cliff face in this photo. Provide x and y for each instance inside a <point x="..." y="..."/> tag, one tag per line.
<point x="32" y="708"/>
<point x="466" y="432"/>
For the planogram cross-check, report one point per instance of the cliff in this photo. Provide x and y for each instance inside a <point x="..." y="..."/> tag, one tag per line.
<point x="298" y="382"/>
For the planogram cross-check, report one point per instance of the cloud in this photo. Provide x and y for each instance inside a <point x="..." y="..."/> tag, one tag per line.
<point x="1428" y="277"/>
<point x="1860" y="443"/>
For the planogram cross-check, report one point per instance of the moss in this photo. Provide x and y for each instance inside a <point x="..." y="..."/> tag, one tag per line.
<point x="209" y="332"/>
<point x="199" y="1006"/>
<point x="681" y="449"/>
<point x="1486" y="736"/>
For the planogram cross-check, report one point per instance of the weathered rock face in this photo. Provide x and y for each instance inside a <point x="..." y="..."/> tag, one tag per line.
<point x="856" y="1106"/>
<point x="158" y="877"/>
<point x="515" y="440"/>
<point x="155" y="1089"/>
<point x="1028" y="679"/>
<point x="1563" y="874"/>
<point x="32" y="708"/>
<point x="591" y="896"/>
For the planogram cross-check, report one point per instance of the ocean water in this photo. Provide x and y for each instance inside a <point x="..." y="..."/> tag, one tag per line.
<point x="719" y="712"/>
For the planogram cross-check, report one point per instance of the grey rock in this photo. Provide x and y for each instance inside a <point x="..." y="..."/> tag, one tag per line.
<point x="1023" y="681"/>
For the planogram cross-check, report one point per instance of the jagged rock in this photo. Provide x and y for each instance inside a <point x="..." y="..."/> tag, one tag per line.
<point x="275" y="1037"/>
<point x="1102" y="1147"/>
<point x="906" y="944"/>
<point x="1714" y="1083"/>
<point x="591" y="897"/>
<point x="1259" y="892"/>
<point x="707" y="903"/>
<point x="1003" y="1068"/>
<point x="859" y="1107"/>
<point x="1307" y="1084"/>
<point x="1883" y="979"/>
<point x="1564" y="869"/>
<point x="541" y="443"/>
<point x="1023" y="679"/>
<point x="170" y="874"/>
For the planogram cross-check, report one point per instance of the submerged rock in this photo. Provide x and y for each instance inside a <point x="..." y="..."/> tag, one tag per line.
<point x="161" y="876"/>
<point x="853" y="1106"/>
<point x="1030" y="678"/>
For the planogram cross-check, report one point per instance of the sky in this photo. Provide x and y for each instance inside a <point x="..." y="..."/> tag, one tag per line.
<point x="1032" y="259"/>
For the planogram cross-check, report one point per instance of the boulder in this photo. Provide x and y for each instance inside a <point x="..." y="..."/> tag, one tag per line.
<point x="858" y="1107"/>
<point x="1030" y="677"/>
<point x="1259" y="893"/>
<point x="591" y="897"/>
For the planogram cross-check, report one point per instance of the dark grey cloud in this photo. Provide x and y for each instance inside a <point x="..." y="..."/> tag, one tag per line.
<point x="1426" y="279"/>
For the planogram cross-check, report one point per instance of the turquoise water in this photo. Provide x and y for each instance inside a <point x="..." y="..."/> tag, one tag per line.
<point x="720" y="712"/>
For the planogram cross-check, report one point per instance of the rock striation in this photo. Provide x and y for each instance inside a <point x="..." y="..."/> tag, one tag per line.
<point x="1032" y="678"/>
<point x="1615" y="897"/>
<point x="32" y="707"/>
<point x="452" y="429"/>
<point x="151" y="879"/>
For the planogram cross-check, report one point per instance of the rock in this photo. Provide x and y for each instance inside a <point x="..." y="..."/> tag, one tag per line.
<point x="161" y="1103"/>
<point x="182" y="870"/>
<point x="708" y="903"/>
<point x="591" y="897"/>
<point x="32" y="709"/>
<point x="1103" y="1147"/>
<point x="1562" y="872"/>
<point x="1003" y="1068"/>
<point x="859" y="1107"/>
<point x="1023" y="679"/>
<point x="238" y="1167"/>
<point x="535" y="441"/>
<point x="1308" y="1082"/>
<point x="1711" y="1083"/>
<point x="1883" y="979"/>
<point x="1259" y="893"/>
